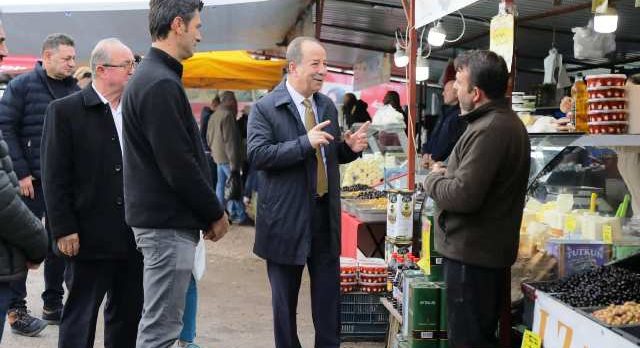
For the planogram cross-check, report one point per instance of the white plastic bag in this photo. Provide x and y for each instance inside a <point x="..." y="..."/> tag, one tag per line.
<point x="387" y="115"/>
<point x="588" y="44"/>
<point x="200" y="260"/>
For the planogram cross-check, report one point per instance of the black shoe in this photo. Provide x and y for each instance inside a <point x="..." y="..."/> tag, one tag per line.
<point x="22" y="323"/>
<point x="52" y="316"/>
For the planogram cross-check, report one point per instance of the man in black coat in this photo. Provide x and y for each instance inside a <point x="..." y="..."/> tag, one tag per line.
<point x="82" y="179"/>
<point x="205" y="116"/>
<point x="168" y="194"/>
<point x="294" y="141"/>
<point x="22" y="111"/>
<point x="23" y="241"/>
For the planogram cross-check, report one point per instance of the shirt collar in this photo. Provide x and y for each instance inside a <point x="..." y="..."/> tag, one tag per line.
<point x="168" y="60"/>
<point x="103" y="99"/>
<point x="297" y="97"/>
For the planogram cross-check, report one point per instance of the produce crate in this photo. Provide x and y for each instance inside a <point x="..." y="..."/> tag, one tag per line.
<point x="363" y="317"/>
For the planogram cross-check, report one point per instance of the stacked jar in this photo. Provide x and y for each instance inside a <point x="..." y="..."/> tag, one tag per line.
<point x="607" y="104"/>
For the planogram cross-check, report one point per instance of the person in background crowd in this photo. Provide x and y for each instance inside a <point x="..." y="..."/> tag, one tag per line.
<point x="392" y="98"/>
<point x="348" y="107"/>
<point x="480" y="198"/>
<point x="448" y="129"/>
<point x="168" y="193"/>
<point x="295" y="144"/>
<point x="83" y="76"/>
<point x="23" y="240"/>
<point x="84" y="196"/>
<point x="225" y="142"/>
<point x="22" y="111"/>
<point x="205" y="116"/>
<point x="356" y="110"/>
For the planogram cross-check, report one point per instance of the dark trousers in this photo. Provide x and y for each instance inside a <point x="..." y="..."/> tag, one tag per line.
<point x="474" y="301"/>
<point x="6" y="296"/>
<point x="54" y="265"/>
<point x="324" y="271"/>
<point x="89" y="281"/>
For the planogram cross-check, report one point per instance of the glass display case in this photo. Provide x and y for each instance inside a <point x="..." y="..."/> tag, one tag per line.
<point x="581" y="165"/>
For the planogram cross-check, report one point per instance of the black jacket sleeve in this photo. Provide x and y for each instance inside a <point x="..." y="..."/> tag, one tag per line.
<point x="57" y="166"/>
<point x="18" y="226"/>
<point x="166" y="130"/>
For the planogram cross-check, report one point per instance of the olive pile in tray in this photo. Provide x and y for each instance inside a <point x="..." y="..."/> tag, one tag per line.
<point x="356" y="187"/>
<point x="599" y="287"/>
<point x="371" y="194"/>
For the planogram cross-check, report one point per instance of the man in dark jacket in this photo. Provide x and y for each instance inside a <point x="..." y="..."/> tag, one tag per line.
<point x="205" y="116"/>
<point x="480" y="197"/>
<point x="23" y="241"/>
<point x="22" y="111"/>
<point x="225" y="142"/>
<point x="168" y="192"/>
<point x="82" y="179"/>
<point x="295" y="143"/>
<point x="447" y="131"/>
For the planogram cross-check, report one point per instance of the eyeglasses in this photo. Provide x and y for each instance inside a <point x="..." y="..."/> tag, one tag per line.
<point x="126" y="65"/>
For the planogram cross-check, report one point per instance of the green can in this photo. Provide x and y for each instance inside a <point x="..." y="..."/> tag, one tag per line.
<point x="424" y="307"/>
<point x="444" y="341"/>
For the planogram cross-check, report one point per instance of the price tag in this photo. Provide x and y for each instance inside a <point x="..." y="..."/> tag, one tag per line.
<point x="599" y="6"/>
<point x="607" y="234"/>
<point x="531" y="340"/>
<point x="570" y="224"/>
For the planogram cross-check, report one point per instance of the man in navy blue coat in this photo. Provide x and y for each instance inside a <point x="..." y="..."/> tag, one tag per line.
<point x="294" y="142"/>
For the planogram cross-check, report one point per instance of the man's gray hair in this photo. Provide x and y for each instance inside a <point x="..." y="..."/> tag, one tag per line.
<point x="294" y="50"/>
<point x="100" y="53"/>
<point x="53" y="41"/>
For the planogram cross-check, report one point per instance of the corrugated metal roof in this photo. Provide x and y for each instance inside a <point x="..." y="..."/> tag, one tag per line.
<point x="371" y="24"/>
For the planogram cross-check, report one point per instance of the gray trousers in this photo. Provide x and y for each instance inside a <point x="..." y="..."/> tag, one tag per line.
<point x="168" y="262"/>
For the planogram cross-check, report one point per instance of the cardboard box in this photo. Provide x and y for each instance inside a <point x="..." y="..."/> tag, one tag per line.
<point x="575" y="256"/>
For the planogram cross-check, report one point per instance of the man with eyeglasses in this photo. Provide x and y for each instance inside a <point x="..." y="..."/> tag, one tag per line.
<point x="83" y="188"/>
<point x="22" y="111"/>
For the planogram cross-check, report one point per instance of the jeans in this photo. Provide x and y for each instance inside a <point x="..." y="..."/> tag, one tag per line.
<point x="168" y="263"/>
<point x="6" y="295"/>
<point x="234" y="207"/>
<point x="188" y="333"/>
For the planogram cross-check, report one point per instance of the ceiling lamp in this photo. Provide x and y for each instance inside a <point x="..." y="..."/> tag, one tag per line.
<point x="400" y="58"/>
<point x="437" y="35"/>
<point x="606" y="22"/>
<point x="422" y="69"/>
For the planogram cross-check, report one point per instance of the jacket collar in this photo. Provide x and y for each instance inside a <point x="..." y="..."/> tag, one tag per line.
<point x="283" y="98"/>
<point x="166" y="59"/>
<point x="90" y="97"/>
<point x="485" y="109"/>
<point x="68" y="81"/>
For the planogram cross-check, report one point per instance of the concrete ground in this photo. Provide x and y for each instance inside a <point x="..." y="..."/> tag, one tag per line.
<point x="234" y="302"/>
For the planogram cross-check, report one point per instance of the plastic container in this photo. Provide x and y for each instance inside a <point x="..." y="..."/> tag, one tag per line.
<point x="608" y="104"/>
<point x="611" y="127"/>
<point x="348" y="287"/>
<point x="373" y="279"/>
<point x="348" y="278"/>
<point x="608" y="80"/>
<point x="372" y="266"/>
<point x="373" y="288"/>
<point x="606" y="92"/>
<point x="348" y="266"/>
<point x="607" y="115"/>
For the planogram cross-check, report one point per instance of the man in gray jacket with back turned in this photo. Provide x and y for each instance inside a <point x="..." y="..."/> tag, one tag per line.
<point x="480" y="198"/>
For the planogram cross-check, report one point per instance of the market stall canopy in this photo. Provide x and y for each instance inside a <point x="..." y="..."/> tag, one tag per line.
<point x="235" y="70"/>
<point x="227" y="24"/>
<point x="14" y="65"/>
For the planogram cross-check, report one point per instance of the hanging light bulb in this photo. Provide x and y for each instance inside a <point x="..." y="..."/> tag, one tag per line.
<point x="400" y="58"/>
<point x="606" y="22"/>
<point x="422" y="68"/>
<point x="437" y="35"/>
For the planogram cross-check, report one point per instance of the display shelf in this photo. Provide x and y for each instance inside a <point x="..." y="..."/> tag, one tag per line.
<point x="608" y="140"/>
<point x="392" y="311"/>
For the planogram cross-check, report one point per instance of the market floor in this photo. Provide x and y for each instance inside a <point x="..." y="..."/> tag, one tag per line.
<point x="234" y="302"/>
